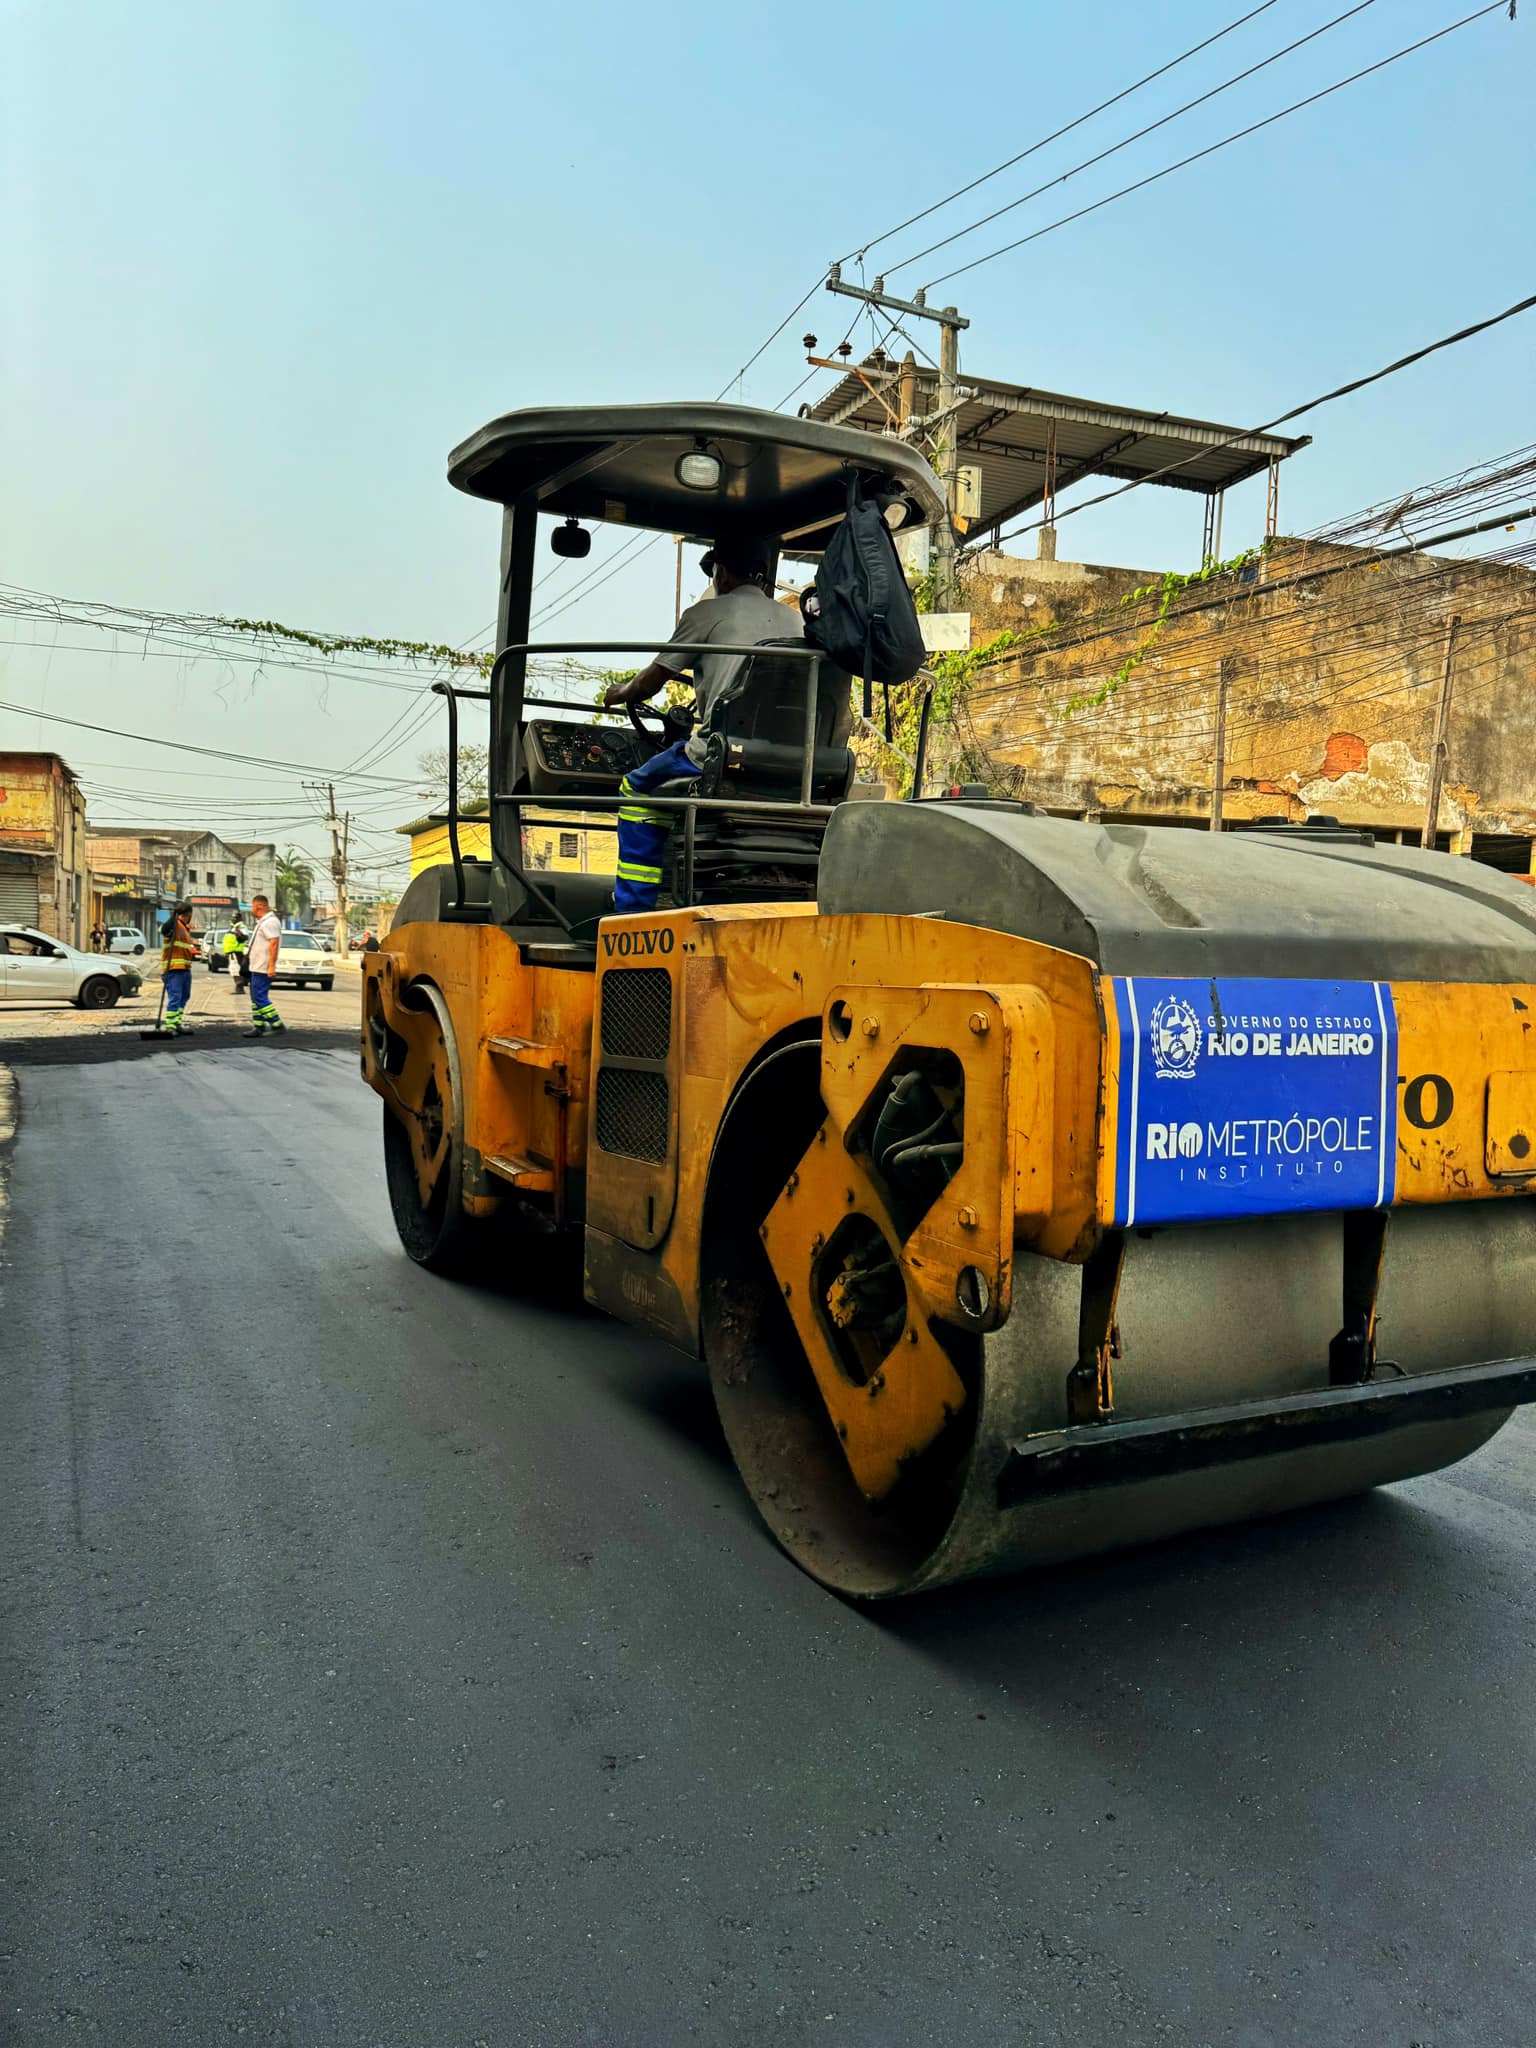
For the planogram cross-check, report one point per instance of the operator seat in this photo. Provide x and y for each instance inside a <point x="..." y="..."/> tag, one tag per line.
<point x="755" y="736"/>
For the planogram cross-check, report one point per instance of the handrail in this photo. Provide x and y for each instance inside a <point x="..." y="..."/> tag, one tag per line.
<point x="748" y="806"/>
<point x="518" y="801"/>
<point x="542" y="703"/>
<point x="805" y="650"/>
<point x="446" y="691"/>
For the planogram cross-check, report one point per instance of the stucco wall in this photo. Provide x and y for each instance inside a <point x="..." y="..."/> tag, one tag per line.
<point x="1333" y="662"/>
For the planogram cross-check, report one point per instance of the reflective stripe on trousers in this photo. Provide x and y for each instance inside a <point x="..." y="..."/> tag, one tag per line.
<point x="178" y="993"/>
<point x="263" y="1014"/>
<point x="643" y="832"/>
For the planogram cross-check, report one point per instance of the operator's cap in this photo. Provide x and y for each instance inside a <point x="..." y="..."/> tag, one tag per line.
<point x="743" y="554"/>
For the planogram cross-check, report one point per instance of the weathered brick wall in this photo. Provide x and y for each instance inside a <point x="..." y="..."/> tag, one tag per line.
<point x="1004" y="592"/>
<point x="1333" y="661"/>
<point x="113" y="856"/>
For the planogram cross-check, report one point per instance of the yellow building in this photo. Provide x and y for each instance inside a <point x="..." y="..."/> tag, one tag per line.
<point x="572" y="842"/>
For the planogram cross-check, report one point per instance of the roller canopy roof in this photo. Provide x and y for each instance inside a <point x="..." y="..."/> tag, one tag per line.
<point x="780" y="477"/>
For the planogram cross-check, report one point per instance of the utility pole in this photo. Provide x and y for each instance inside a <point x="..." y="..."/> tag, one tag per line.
<point x="1438" y="752"/>
<point x="944" y="423"/>
<point x="1219" y="774"/>
<point x="948" y="452"/>
<point x="341" y="837"/>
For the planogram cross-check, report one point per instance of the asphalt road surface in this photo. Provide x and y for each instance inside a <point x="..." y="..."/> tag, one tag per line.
<point x="398" y="1665"/>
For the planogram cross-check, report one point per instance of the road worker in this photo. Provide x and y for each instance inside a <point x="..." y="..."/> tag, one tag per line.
<point x="266" y="944"/>
<point x="176" y="957"/>
<point x="235" y="945"/>
<point x="738" y="611"/>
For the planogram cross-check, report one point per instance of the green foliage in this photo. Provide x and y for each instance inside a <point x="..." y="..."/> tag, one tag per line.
<point x="294" y="884"/>
<point x="675" y="695"/>
<point x="436" y="652"/>
<point x="953" y="673"/>
<point x="1171" y="587"/>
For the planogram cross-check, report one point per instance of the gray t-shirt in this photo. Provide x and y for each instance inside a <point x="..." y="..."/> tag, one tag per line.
<point x="744" y="617"/>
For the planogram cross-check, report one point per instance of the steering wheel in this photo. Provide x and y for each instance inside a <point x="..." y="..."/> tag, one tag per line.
<point x="675" y="725"/>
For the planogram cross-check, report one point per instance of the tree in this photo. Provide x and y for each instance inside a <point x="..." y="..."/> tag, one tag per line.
<point x="295" y="883"/>
<point x="474" y="773"/>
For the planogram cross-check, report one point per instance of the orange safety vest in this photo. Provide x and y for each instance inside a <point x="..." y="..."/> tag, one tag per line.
<point x="178" y="951"/>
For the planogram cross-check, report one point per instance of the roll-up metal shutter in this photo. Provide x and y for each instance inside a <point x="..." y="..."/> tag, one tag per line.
<point x="18" y="894"/>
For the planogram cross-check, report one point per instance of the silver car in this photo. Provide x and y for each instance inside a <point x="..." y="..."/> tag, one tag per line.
<point x="37" y="969"/>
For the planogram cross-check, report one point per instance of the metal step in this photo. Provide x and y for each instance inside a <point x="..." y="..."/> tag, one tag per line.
<point x="526" y="1174"/>
<point x="526" y="1052"/>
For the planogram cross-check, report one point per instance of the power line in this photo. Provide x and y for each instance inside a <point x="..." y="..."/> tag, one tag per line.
<point x="186" y="747"/>
<point x="1273" y="631"/>
<point x="796" y="389"/>
<point x="1283" y="648"/>
<point x="762" y="346"/>
<point x="1253" y="128"/>
<point x="626" y="558"/>
<point x="1139" y="136"/>
<point x="1007" y="165"/>
<point x="1328" y="397"/>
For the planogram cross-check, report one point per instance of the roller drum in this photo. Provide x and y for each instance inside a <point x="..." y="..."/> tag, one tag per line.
<point x="1208" y="1316"/>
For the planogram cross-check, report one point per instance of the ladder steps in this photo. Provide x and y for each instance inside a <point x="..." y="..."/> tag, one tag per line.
<point x="524" y="1051"/>
<point x="522" y="1173"/>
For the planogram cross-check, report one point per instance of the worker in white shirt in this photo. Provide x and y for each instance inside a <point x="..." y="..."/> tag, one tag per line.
<point x="266" y="944"/>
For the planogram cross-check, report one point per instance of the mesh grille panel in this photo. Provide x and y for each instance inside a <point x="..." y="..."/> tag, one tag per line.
<point x="632" y="1112"/>
<point x="637" y="1013"/>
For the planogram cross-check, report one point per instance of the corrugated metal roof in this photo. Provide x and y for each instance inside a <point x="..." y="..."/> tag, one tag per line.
<point x="1009" y="431"/>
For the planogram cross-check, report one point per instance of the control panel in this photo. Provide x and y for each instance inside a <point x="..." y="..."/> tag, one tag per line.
<point x="565" y="759"/>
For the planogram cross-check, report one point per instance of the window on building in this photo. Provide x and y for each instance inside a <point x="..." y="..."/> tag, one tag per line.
<point x="229" y="881"/>
<point x="570" y="845"/>
<point x="210" y="878"/>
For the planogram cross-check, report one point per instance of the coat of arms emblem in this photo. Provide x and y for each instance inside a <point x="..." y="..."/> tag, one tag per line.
<point x="1174" y="1032"/>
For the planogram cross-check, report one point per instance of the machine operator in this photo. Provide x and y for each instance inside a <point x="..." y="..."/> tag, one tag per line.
<point x="739" y="611"/>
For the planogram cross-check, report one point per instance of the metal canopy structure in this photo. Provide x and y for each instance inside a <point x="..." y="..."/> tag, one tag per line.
<point x="1031" y="445"/>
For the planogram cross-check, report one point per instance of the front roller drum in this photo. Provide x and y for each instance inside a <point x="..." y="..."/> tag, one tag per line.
<point x="1222" y="1410"/>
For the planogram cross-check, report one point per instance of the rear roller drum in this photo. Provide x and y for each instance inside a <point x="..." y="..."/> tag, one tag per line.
<point x="424" y="1141"/>
<point x="427" y="1162"/>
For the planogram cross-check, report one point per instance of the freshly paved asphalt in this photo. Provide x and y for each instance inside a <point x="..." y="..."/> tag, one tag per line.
<point x="394" y="1664"/>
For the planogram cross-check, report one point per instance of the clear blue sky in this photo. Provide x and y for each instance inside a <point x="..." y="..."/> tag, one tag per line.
<point x="263" y="266"/>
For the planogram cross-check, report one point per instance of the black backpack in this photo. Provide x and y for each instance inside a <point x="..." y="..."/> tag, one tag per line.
<point x="859" y="611"/>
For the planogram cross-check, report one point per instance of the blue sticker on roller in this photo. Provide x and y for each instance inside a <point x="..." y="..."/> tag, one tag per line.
<point x="1251" y="1098"/>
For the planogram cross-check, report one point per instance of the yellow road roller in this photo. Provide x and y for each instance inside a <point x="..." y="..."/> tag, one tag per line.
<point x="1028" y="1187"/>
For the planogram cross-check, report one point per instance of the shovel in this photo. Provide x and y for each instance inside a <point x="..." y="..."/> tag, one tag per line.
<point x="157" y="1032"/>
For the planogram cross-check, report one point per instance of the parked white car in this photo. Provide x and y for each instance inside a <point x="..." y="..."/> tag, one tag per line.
<point x="300" y="960"/>
<point x="124" y="938"/>
<point x="37" y="969"/>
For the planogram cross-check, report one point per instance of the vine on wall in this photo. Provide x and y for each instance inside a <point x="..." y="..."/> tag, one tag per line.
<point x="954" y="672"/>
<point x="1167" y="591"/>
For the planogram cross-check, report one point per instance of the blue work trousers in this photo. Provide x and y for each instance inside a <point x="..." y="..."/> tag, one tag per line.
<point x="263" y="1015"/>
<point x="643" y="832"/>
<point x="178" y="993"/>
